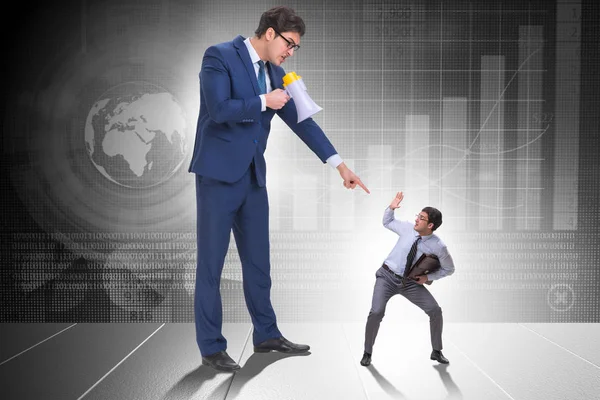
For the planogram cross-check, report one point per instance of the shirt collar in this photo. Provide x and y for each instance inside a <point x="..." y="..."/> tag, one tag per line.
<point x="253" y="54"/>
<point x="425" y="238"/>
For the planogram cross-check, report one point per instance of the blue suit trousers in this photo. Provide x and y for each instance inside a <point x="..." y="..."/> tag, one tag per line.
<point x="244" y="207"/>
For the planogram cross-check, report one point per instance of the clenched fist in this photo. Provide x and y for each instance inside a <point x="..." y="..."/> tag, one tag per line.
<point x="276" y="99"/>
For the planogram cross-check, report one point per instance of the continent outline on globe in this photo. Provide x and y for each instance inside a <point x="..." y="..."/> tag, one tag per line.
<point x="135" y="135"/>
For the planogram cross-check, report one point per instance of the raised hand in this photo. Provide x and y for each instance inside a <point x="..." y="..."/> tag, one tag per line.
<point x="397" y="200"/>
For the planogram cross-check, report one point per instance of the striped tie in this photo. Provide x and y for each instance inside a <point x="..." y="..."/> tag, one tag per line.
<point x="410" y="258"/>
<point x="262" y="81"/>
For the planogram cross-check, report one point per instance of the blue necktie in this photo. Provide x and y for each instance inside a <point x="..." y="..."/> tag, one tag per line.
<point x="262" y="81"/>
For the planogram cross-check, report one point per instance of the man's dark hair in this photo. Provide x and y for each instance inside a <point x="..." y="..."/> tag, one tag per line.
<point x="434" y="216"/>
<point x="282" y="19"/>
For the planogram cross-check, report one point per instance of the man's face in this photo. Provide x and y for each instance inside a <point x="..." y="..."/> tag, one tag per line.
<point x="278" y="48"/>
<point x="422" y="224"/>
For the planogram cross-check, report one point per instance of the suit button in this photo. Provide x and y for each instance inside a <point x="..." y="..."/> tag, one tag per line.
<point x="255" y="141"/>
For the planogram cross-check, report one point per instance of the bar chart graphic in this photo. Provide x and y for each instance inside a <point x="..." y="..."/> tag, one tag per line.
<point x="453" y="105"/>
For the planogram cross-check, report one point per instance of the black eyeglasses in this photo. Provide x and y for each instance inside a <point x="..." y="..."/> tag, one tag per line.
<point x="422" y="218"/>
<point x="290" y="45"/>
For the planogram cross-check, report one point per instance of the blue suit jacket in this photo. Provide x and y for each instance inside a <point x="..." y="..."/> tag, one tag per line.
<point x="232" y="131"/>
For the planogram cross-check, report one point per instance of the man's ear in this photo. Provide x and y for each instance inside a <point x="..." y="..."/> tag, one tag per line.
<point x="430" y="226"/>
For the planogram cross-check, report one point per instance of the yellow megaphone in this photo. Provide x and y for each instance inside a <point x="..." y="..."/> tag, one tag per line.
<point x="295" y="88"/>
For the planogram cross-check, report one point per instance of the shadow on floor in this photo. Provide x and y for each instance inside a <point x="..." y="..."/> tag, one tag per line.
<point x="193" y="382"/>
<point x="254" y="366"/>
<point x="454" y="392"/>
<point x="385" y="384"/>
<point x="232" y="383"/>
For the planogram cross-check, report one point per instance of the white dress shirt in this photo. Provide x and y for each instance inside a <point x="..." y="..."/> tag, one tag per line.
<point x="430" y="244"/>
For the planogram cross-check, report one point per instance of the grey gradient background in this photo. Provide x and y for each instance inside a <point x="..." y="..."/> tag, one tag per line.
<point x="488" y="111"/>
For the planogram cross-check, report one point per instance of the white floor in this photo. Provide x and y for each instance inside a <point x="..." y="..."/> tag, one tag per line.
<point x="161" y="361"/>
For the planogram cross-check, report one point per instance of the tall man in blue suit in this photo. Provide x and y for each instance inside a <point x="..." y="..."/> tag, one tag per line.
<point x="240" y="92"/>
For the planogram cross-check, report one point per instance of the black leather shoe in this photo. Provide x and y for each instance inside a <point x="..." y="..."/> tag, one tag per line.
<point x="439" y="357"/>
<point x="366" y="360"/>
<point x="282" y="345"/>
<point x="221" y="361"/>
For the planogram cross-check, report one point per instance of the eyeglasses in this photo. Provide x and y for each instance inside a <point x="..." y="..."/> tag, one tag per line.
<point x="290" y="45"/>
<point x="422" y="218"/>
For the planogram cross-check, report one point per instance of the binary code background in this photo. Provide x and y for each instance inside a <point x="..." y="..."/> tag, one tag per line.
<point x="486" y="110"/>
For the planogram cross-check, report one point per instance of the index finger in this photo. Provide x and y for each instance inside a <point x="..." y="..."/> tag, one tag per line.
<point x="363" y="186"/>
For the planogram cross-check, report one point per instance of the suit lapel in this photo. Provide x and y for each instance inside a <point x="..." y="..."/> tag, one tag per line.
<point x="238" y="42"/>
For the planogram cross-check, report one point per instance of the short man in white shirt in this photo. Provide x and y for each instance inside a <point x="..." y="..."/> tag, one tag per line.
<point x="415" y="239"/>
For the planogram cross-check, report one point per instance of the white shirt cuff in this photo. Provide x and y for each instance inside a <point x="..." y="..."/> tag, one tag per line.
<point x="263" y="103"/>
<point x="335" y="160"/>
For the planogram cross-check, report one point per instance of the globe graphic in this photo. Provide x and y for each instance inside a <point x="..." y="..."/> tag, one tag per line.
<point x="135" y="135"/>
